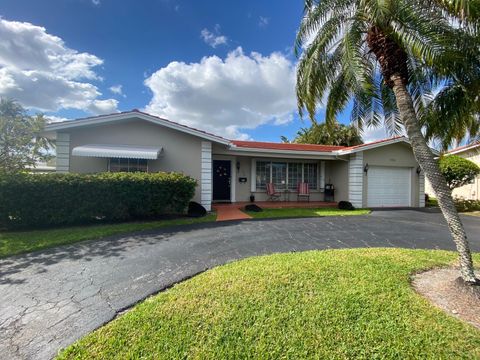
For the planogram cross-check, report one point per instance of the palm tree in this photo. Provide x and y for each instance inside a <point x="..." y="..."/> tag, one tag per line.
<point x="463" y="9"/>
<point x="454" y="114"/>
<point x="388" y="56"/>
<point x="319" y="133"/>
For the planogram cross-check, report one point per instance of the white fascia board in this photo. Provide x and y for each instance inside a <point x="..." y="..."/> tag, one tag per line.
<point x="131" y="115"/>
<point x="468" y="148"/>
<point x="372" y="146"/>
<point x="280" y="153"/>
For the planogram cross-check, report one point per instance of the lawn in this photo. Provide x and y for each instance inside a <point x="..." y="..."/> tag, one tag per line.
<point x="12" y="243"/>
<point x="334" y="304"/>
<point x="304" y="212"/>
<point x="473" y="213"/>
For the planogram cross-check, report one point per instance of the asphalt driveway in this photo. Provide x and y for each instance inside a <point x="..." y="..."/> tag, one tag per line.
<point x="51" y="298"/>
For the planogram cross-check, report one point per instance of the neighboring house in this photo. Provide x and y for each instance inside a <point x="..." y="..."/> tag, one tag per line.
<point x="378" y="174"/>
<point x="469" y="191"/>
<point x="42" y="167"/>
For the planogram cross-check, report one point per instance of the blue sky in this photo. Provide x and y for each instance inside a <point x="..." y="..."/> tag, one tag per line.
<point x="223" y="66"/>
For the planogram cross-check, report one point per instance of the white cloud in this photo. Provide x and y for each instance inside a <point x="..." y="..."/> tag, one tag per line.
<point x="378" y="133"/>
<point x="41" y="72"/>
<point x="372" y="134"/>
<point x="55" y="119"/>
<point x="96" y="2"/>
<point x="99" y="107"/>
<point x="227" y="95"/>
<point x="263" y="21"/>
<point x="213" y="39"/>
<point x="117" y="90"/>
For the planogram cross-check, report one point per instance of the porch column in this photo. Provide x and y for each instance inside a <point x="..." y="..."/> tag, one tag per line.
<point x="63" y="153"/>
<point x="206" y="175"/>
<point x="355" y="179"/>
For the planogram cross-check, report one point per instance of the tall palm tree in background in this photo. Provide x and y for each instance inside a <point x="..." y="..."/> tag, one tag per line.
<point x="453" y="115"/>
<point x="388" y="57"/>
<point x="320" y="133"/>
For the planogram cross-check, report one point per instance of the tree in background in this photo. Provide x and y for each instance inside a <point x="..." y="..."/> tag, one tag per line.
<point x="389" y="57"/>
<point x="458" y="171"/>
<point x="453" y="115"/>
<point x="20" y="142"/>
<point x="339" y="135"/>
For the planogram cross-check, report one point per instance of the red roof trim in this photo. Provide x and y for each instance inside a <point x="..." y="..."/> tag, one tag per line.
<point x="306" y="147"/>
<point x="285" y="146"/>
<point x="374" y="142"/>
<point x="463" y="148"/>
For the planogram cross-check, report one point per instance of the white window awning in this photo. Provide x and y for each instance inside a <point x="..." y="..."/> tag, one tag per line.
<point x="118" y="151"/>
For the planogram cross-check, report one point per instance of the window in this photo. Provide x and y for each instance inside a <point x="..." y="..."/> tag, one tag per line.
<point x="263" y="174"/>
<point x="286" y="174"/>
<point x="127" y="165"/>
<point x="294" y="175"/>
<point x="279" y="174"/>
<point x="310" y="175"/>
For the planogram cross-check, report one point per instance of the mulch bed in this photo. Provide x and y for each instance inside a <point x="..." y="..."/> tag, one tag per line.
<point x="445" y="290"/>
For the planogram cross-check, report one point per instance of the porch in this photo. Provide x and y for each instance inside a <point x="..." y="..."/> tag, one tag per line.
<point x="233" y="211"/>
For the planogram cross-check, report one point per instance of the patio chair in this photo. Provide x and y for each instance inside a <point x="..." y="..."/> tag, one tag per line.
<point x="303" y="191"/>
<point x="272" y="193"/>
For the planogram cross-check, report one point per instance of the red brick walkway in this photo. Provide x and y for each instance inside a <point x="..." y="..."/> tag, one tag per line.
<point x="225" y="213"/>
<point x="233" y="211"/>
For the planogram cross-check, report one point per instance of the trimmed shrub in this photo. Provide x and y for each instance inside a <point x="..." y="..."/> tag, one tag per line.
<point x="464" y="205"/>
<point x="458" y="171"/>
<point x="345" y="205"/>
<point x="42" y="200"/>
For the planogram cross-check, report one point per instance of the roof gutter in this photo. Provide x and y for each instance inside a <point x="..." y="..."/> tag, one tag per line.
<point x="338" y="158"/>
<point x="278" y="151"/>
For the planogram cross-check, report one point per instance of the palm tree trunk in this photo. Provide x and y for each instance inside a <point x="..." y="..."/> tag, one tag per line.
<point x="430" y="167"/>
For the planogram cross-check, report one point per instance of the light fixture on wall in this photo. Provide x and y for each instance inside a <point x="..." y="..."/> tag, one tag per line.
<point x="365" y="169"/>
<point x="238" y="165"/>
<point x="419" y="170"/>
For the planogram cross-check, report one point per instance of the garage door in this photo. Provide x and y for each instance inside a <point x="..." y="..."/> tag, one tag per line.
<point x="388" y="186"/>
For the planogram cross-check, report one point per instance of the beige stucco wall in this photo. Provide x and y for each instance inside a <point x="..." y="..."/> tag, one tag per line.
<point x="395" y="155"/>
<point x="181" y="152"/>
<point x="469" y="191"/>
<point x="335" y="171"/>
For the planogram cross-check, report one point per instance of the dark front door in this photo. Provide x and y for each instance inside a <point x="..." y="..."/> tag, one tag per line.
<point x="221" y="180"/>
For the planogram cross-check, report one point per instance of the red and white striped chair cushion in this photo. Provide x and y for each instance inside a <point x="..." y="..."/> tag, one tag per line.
<point x="303" y="189"/>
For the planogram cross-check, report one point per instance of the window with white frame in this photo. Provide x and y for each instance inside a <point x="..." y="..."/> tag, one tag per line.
<point x="286" y="174"/>
<point x="294" y="175"/>
<point x="127" y="165"/>
<point x="310" y="172"/>
<point x="262" y="174"/>
<point x="279" y="174"/>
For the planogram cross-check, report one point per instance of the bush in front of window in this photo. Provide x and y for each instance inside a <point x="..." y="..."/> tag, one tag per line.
<point x="43" y="200"/>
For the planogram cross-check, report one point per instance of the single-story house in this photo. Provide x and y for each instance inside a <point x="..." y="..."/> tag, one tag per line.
<point x="378" y="174"/>
<point x="470" y="191"/>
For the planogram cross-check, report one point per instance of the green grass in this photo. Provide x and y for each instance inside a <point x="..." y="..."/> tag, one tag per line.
<point x="304" y="212"/>
<point x="334" y="304"/>
<point x="432" y="202"/>
<point x="473" y="213"/>
<point x="12" y="243"/>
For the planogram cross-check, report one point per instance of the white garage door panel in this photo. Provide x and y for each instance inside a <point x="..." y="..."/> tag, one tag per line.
<point x="388" y="186"/>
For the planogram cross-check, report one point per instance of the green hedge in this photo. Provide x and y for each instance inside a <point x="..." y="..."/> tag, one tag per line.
<point x="42" y="200"/>
<point x="458" y="171"/>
